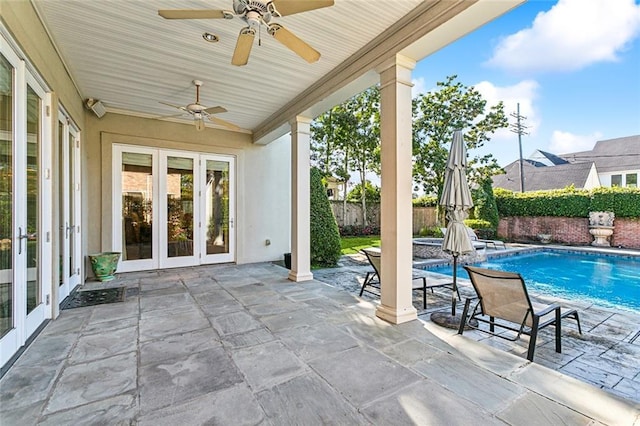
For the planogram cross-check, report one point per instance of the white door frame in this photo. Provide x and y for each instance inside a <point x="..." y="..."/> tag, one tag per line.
<point x="24" y="325"/>
<point x="69" y="184"/>
<point x="160" y="258"/>
<point x="117" y="220"/>
<point x="230" y="255"/>
<point x="43" y="272"/>
<point x="163" y="241"/>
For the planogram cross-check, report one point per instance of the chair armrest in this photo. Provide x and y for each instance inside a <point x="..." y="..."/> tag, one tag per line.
<point x="548" y="309"/>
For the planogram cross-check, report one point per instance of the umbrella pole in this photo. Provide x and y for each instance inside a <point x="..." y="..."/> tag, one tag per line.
<point x="454" y="292"/>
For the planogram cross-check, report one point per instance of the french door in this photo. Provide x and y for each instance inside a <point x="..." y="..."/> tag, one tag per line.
<point x="70" y="256"/>
<point x="172" y="208"/>
<point x="25" y="214"/>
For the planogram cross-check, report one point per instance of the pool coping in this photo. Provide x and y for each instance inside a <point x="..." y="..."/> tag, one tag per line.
<point x="517" y="249"/>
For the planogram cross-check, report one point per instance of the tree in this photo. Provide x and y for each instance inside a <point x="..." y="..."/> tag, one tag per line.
<point x="325" y="236"/>
<point x="372" y="193"/>
<point x="348" y="138"/>
<point x="366" y="144"/>
<point x="436" y="115"/>
<point x="485" y="207"/>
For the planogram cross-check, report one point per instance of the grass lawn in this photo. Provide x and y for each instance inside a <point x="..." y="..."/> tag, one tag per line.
<point x="351" y="245"/>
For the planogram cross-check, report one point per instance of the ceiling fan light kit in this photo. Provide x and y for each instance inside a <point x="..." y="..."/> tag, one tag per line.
<point x="256" y="14"/>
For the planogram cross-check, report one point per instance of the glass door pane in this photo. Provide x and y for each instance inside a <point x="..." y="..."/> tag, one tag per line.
<point x="70" y="200"/>
<point x="179" y="185"/>
<point x="68" y="194"/>
<point x="33" y="195"/>
<point x="63" y="239"/>
<point x="137" y="206"/>
<point x="6" y="197"/>
<point x="218" y="209"/>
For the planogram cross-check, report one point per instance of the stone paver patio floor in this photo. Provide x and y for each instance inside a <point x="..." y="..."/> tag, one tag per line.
<point x="243" y="345"/>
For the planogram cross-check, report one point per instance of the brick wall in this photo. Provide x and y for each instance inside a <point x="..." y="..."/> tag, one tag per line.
<point x="567" y="230"/>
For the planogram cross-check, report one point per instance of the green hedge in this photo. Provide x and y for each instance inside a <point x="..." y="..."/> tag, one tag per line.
<point x="425" y="201"/>
<point x="569" y="202"/>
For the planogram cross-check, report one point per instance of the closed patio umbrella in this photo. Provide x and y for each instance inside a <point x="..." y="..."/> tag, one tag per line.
<point x="456" y="199"/>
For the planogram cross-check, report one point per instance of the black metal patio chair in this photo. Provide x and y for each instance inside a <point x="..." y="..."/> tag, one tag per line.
<point x="503" y="298"/>
<point x="373" y="277"/>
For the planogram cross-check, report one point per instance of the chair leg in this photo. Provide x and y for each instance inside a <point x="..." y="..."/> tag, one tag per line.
<point x="533" y="338"/>
<point x="574" y="314"/>
<point x="558" y="331"/>
<point x="492" y="327"/>
<point x="463" y="319"/>
<point x="424" y="293"/>
<point x="366" y="282"/>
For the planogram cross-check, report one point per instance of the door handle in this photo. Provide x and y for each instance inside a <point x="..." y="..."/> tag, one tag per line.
<point x="21" y="237"/>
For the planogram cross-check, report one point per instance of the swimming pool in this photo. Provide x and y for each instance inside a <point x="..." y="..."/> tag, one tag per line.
<point x="612" y="281"/>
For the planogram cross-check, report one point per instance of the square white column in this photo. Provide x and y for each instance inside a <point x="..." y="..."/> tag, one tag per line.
<point x="396" y="187"/>
<point x="300" y="200"/>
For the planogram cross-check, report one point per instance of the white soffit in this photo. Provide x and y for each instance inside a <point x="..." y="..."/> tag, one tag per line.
<point x="122" y="53"/>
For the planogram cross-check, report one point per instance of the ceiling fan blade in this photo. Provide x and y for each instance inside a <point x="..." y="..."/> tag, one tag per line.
<point x="192" y="14"/>
<point x="175" y="106"/>
<point x="243" y="47"/>
<point x="224" y="123"/>
<point x="294" y="43"/>
<point x="215" y="110"/>
<point x="289" y="7"/>
<point x="169" y="116"/>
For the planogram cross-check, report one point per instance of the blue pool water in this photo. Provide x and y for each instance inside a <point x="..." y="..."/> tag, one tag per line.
<point x="607" y="280"/>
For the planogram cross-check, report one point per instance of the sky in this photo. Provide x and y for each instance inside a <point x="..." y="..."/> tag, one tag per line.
<point x="572" y="65"/>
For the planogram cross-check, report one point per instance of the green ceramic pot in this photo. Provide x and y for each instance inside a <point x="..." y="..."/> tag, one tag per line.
<point x="104" y="265"/>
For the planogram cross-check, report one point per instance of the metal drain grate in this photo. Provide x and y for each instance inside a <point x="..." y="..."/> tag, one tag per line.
<point x="79" y="299"/>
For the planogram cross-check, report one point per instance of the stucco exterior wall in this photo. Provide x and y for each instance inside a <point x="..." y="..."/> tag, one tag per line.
<point x="262" y="171"/>
<point x="26" y="28"/>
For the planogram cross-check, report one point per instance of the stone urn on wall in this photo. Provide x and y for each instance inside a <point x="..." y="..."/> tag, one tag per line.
<point x="601" y="227"/>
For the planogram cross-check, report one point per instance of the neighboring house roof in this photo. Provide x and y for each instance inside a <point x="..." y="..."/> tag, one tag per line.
<point x="543" y="170"/>
<point x="537" y="178"/>
<point x="611" y="155"/>
<point x="547" y="158"/>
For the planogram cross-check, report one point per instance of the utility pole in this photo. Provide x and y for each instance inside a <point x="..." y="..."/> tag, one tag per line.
<point x="519" y="128"/>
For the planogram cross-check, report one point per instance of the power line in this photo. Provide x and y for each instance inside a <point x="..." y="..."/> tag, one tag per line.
<point x="519" y="128"/>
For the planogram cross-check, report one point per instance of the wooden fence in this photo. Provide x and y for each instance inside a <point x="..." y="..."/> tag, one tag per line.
<point x="423" y="217"/>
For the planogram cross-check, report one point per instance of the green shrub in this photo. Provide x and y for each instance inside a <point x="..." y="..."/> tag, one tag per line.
<point x="325" y="238"/>
<point x="425" y="201"/>
<point x="372" y="193"/>
<point x="483" y="228"/>
<point x="430" y="231"/>
<point x="624" y="202"/>
<point x="485" y="207"/>
<point x="569" y="202"/>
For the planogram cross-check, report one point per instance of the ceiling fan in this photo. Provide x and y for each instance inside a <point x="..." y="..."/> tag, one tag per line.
<point x="256" y="14"/>
<point x="200" y="112"/>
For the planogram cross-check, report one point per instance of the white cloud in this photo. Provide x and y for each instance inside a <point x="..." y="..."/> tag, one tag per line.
<point x="565" y="142"/>
<point x="571" y="36"/>
<point x="418" y="87"/>
<point x="523" y="93"/>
